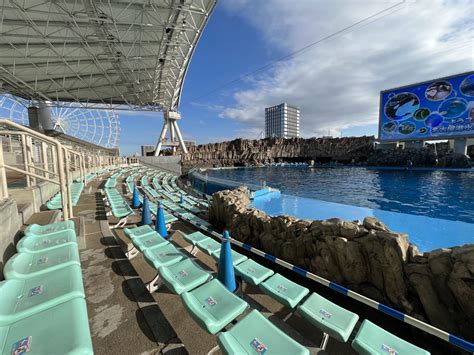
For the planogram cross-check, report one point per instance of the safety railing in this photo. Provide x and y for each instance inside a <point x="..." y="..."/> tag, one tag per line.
<point x="60" y="174"/>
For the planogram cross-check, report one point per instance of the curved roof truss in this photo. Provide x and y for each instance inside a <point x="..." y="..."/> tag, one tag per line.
<point x="100" y="53"/>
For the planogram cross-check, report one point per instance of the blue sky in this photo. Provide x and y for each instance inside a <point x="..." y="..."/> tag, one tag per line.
<point x="335" y="83"/>
<point x="219" y="58"/>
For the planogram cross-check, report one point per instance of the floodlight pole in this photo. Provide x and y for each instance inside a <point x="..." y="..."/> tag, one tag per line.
<point x="170" y="121"/>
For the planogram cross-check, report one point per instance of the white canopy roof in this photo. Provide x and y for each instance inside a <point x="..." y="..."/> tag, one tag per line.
<point x="100" y="52"/>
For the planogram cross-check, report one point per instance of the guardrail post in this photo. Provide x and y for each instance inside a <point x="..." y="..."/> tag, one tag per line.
<point x="29" y="158"/>
<point x="3" y="175"/>
<point x="62" y="181"/>
<point x="68" y="182"/>
<point x="44" y="155"/>
<point x="24" y="157"/>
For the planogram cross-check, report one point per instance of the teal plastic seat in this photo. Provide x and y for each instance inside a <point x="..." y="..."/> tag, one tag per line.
<point x="283" y="290"/>
<point x="208" y="246"/>
<point x="237" y="258"/>
<point x="63" y="329"/>
<point x="35" y="244"/>
<point x="372" y="339"/>
<point x="25" y="265"/>
<point x="252" y="272"/>
<point x="255" y="334"/>
<point x="48" y="229"/>
<point x="212" y="306"/>
<point x="141" y="231"/>
<point x="195" y="237"/>
<point x="149" y="241"/>
<point x="191" y="208"/>
<point x="169" y="218"/>
<point x="121" y="212"/>
<point x="54" y="205"/>
<point x="22" y="298"/>
<point x="163" y="255"/>
<point x="333" y="320"/>
<point x="183" y="276"/>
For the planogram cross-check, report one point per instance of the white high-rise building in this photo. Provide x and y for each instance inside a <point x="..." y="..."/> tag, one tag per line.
<point x="283" y="121"/>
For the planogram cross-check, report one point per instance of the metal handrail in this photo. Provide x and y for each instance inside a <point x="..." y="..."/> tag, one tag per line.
<point x="60" y="153"/>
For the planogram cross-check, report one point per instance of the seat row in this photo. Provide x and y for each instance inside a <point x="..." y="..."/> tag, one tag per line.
<point x="169" y="218"/>
<point x="112" y="180"/>
<point x="213" y="307"/>
<point x="119" y="207"/>
<point x="55" y="202"/>
<point x="43" y="308"/>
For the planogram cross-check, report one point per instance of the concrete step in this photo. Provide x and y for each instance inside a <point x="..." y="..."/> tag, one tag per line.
<point x="43" y="217"/>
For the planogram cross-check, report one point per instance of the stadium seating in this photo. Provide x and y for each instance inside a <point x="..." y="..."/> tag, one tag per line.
<point x="42" y="308"/>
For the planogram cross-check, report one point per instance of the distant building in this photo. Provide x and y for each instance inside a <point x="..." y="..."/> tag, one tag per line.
<point x="150" y="149"/>
<point x="283" y="121"/>
<point x="147" y="150"/>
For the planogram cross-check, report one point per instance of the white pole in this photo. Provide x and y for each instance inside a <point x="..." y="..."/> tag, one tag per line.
<point x="62" y="181"/>
<point x="44" y="153"/>
<point x="25" y="157"/>
<point x="180" y="137"/>
<point x="162" y="136"/>
<point x="68" y="183"/>
<point x="3" y="175"/>
<point x="29" y="158"/>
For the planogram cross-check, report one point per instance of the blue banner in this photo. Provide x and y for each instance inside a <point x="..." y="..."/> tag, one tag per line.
<point x="437" y="109"/>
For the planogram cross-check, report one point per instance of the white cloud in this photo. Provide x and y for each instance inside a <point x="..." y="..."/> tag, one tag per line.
<point x="337" y="83"/>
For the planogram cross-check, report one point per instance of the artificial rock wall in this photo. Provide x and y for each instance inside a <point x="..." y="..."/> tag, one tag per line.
<point x="252" y="152"/>
<point x="367" y="257"/>
<point x="244" y="152"/>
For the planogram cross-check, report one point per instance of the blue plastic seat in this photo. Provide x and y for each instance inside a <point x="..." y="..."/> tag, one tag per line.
<point x="25" y="265"/>
<point x="35" y="244"/>
<point x="252" y="272"/>
<point x="371" y="339"/>
<point x="212" y="306"/>
<point x="283" y="290"/>
<point x="183" y="276"/>
<point x="255" y="334"/>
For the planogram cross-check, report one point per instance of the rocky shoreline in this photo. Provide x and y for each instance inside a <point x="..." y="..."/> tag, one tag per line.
<point x="367" y="257"/>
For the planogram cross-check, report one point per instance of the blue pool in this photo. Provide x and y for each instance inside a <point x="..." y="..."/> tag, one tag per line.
<point x="436" y="208"/>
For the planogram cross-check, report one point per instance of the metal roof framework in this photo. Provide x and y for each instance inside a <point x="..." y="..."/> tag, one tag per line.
<point x="114" y="54"/>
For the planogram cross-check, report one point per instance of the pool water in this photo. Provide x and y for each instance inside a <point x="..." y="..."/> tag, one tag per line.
<point x="436" y="208"/>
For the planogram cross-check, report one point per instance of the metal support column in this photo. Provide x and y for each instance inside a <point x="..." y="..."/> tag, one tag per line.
<point x="162" y="137"/>
<point x="170" y="121"/>
<point x="180" y="137"/>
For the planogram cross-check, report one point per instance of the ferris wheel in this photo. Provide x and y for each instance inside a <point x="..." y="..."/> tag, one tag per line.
<point x="101" y="127"/>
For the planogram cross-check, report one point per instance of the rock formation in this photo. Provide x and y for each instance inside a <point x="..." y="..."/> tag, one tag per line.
<point x="367" y="257"/>
<point x="240" y="152"/>
<point x="244" y="152"/>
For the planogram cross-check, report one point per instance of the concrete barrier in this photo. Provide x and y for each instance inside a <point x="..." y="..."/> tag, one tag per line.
<point x="10" y="224"/>
<point x="171" y="163"/>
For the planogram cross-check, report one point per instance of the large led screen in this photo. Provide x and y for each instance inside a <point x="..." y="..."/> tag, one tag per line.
<point x="436" y="109"/>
